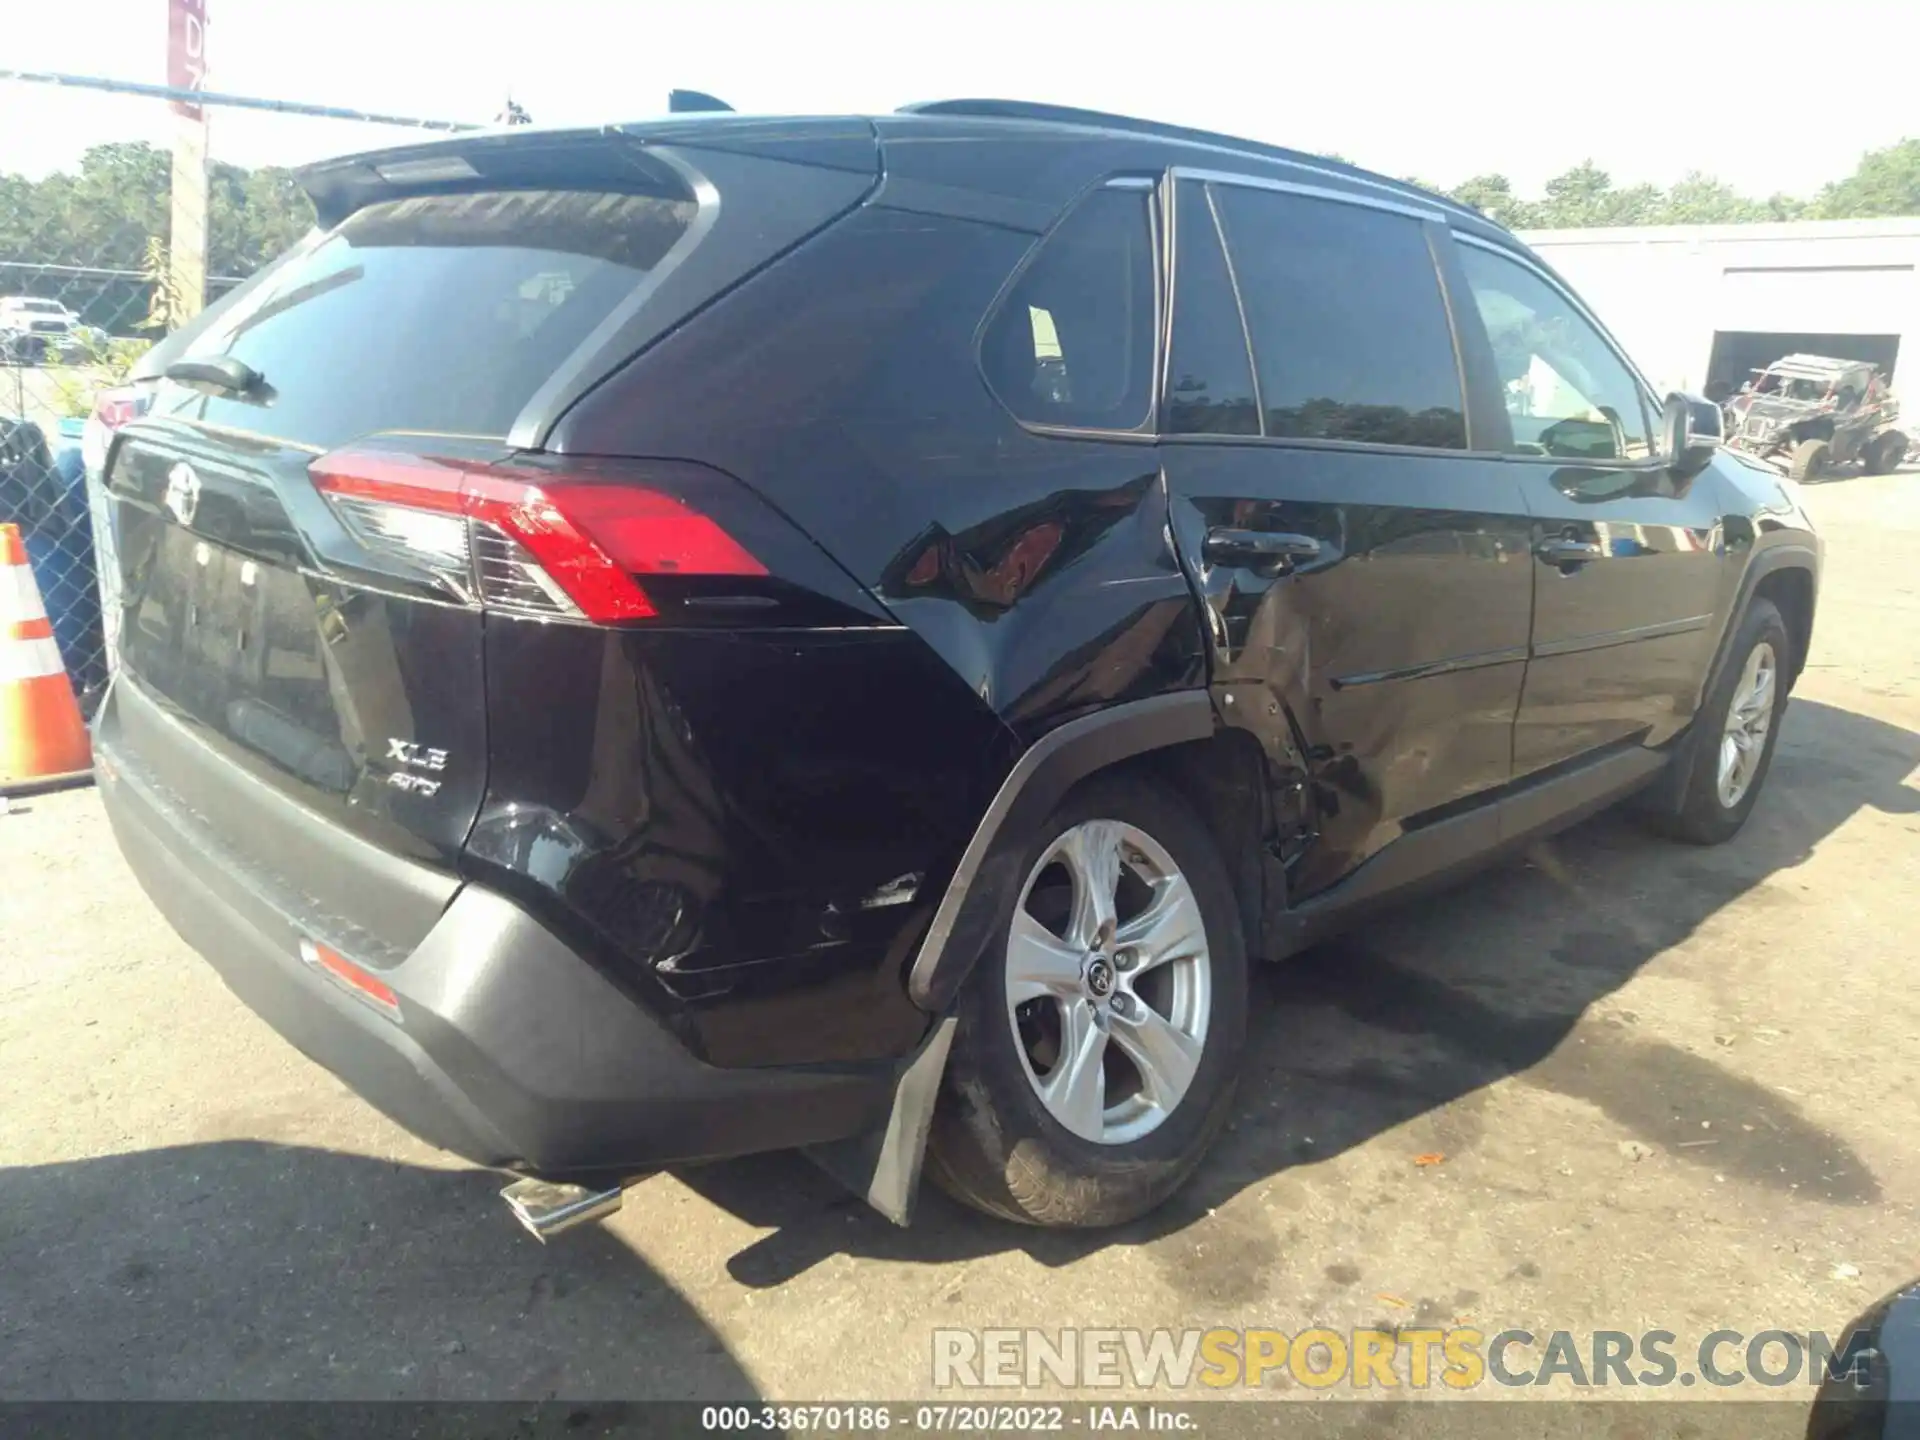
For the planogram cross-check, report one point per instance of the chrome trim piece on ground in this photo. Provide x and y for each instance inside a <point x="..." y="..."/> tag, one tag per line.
<point x="547" y="1209"/>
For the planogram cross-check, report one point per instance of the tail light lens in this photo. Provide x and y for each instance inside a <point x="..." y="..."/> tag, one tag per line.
<point x="545" y="545"/>
<point x="111" y="409"/>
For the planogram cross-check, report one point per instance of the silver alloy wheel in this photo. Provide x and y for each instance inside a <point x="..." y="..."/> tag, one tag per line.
<point x="1116" y="953"/>
<point x="1749" y="718"/>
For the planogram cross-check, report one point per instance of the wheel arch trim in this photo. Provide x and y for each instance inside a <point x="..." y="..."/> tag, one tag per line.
<point x="1793" y="554"/>
<point x="1050" y="767"/>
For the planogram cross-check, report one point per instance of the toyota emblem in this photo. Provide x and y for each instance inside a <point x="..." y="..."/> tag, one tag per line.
<point x="183" y="492"/>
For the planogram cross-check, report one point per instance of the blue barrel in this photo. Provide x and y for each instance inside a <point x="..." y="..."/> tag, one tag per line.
<point x="51" y="491"/>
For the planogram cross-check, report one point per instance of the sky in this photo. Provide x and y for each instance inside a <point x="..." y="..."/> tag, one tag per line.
<point x="1409" y="87"/>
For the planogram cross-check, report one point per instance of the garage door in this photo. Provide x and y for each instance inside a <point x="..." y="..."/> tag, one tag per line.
<point x="1845" y="300"/>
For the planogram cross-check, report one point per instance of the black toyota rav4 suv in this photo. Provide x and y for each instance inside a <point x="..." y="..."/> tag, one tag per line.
<point x="647" y="644"/>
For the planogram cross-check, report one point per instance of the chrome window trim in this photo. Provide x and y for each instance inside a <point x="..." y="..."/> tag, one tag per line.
<point x="1357" y="447"/>
<point x="1159" y="243"/>
<point x="1239" y="306"/>
<point x="1200" y="141"/>
<point x="1170" y="207"/>
<point x="1167" y="279"/>
<point x="541" y="413"/>
<point x="1311" y="192"/>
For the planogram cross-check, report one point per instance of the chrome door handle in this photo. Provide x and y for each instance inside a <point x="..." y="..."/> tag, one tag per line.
<point x="1562" y="551"/>
<point x="1272" y="552"/>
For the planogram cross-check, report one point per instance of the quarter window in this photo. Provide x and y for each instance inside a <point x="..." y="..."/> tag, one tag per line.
<point x="1566" y="391"/>
<point x="1350" y="333"/>
<point x="1072" y="344"/>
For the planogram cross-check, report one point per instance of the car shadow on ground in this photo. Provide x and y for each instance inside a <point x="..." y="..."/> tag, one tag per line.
<point x="246" y="1270"/>
<point x="1424" y="1007"/>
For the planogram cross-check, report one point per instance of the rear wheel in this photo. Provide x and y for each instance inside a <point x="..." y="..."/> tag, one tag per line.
<point x="1810" y="460"/>
<point x="1100" y="1039"/>
<point x="1886" y="452"/>
<point x="1731" y="745"/>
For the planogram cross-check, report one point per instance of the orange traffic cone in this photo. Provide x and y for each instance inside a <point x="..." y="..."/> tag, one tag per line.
<point x="42" y="740"/>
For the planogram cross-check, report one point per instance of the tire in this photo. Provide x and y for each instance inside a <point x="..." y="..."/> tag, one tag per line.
<point x="1703" y="813"/>
<point x="996" y="1144"/>
<point x="1809" y="460"/>
<point x="1886" y="453"/>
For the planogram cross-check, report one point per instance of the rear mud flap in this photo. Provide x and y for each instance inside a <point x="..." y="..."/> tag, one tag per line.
<point x="882" y="1165"/>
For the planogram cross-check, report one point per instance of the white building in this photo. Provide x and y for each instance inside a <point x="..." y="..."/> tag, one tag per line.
<point x="1700" y="306"/>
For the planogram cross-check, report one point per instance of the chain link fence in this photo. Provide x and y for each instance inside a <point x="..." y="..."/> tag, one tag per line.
<point x="85" y="210"/>
<point x="67" y="332"/>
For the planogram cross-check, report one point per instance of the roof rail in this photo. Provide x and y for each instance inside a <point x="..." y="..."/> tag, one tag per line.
<point x="1104" y="120"/>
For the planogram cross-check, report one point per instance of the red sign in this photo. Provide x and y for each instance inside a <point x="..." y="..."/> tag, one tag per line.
<point x="187" y="51"/>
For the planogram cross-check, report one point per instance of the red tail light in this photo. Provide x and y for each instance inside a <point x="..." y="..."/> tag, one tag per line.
<point x="545" y="545"/>
<point x="115" y="408"/>
<point x="111" y="409"/>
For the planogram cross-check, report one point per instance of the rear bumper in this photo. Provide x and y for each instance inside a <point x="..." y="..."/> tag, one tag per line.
<point x="510" y="1049"/>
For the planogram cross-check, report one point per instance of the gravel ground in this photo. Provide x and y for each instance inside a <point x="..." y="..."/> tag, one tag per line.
<point x="1671" y="1088"/>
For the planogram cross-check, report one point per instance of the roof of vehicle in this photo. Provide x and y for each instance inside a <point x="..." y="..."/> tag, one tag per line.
<point x="1817" y="367"/>
<point x="983" y="119"/>
<point x="1072" y="117"/>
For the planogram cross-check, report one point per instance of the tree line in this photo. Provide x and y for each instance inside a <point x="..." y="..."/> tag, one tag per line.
<point x="105" y="214"/>
<point x="1885" y="182"/>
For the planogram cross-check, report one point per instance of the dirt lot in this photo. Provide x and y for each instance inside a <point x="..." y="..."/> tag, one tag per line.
<point x="1672" y="1087"/>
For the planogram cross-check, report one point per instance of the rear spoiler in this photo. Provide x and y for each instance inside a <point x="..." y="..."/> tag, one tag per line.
<point x="520" y="157"/>
<point x="513" y="158"/>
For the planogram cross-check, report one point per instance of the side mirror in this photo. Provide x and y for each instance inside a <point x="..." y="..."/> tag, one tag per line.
<point x="1691" y="430"/>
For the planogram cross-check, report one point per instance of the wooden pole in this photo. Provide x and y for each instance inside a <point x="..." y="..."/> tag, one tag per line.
<point x="187" y="241"/>
<point x="187" y="234"/>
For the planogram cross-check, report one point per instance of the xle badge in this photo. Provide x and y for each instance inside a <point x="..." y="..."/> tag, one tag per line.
<point x="410" y="752"/>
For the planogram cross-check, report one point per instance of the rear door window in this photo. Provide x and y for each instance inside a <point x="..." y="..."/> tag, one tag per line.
<point x="1210" y="371"/>
<point x="1072" y="343"/>
<point x="1350" y="333"/>
<point x="436" y="313"/>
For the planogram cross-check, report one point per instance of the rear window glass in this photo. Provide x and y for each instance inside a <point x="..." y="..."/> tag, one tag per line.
<point x="1073" y="343"/>
<point x="439" y="313"/>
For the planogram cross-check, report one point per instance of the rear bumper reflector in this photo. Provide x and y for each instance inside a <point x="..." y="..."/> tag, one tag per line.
<point x="368" y="989"/>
